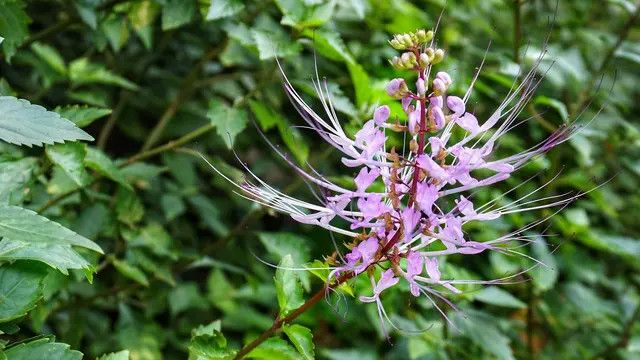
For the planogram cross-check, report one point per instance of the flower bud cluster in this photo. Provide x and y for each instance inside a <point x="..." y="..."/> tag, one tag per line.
<point x="411" y="40"/>
<point x="415" y="57"/>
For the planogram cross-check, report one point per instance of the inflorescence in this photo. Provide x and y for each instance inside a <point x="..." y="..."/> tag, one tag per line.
<point x="419" y="216"/>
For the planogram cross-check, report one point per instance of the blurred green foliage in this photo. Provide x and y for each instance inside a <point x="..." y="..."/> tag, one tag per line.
<point x="180" y="275"/>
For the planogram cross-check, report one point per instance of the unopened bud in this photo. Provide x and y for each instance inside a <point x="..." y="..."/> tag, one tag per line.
<point x="409" y="60"/>
<point x="438" y="56"/>
<point x="422" y="36"/>
<point x="424" y="60"/>
<point x="421" y="87"/>
<point x="439" y="87"/>
<point x="406" y="40"/>
<point x="430" y="53"/>
<point x="397" y="88"/>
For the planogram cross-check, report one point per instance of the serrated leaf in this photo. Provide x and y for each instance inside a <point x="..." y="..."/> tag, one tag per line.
<point x="131" y="271"/>
<point x="288" y="287"/>
<point x="274" y="348"/>
<point x="301" y="13"/>
<point x="208" y="343"/>
<point x="223" y="8"/>
<point x="82" y="115"/>
<point x="228" y="121"/>
<point x="42" y="349"/>
<point x="302" y="339"/>
<point x="480" y="329"/>
<point x="100" y="162"/>
<point x="496" y="296"/>
<point x="268" y="118"/>
<point x="129" y="208"/>
<point x="21" y="286"/>
<point x="70" y="158"/>
<point x="13" y="26"/>
<point x="27" y="235"/>
<point x="329" y="44"/>
<point x="120" y="355"/>
<point x="23" y="123"/>
<point x="176" y="13"/>
<point x="82" y="71"/>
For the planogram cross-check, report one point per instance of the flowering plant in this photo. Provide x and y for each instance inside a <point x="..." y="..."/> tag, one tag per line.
<point x="428" y="183"/>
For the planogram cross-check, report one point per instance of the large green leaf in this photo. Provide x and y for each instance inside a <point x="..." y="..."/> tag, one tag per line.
<point x="13" y="26"/>
<point x="224" y="8"/>
<point x="288" y="287"/>
<point x="101" y="163"/>
<point x="14" y="176"/>
<point x="20" y="289"/>
<point x="23" y="123"/>
<point x="82" y="71"/>
<point x="27" y="235"/>
<point x="176" y="13"/>
<point x="120" y="355"/>
<point x="44" y="348"/>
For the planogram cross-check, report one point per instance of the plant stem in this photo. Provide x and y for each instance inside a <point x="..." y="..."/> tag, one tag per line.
<point x="185" y="89"/>
<point x="279" y="322"/>
<point x="517" y="30"/>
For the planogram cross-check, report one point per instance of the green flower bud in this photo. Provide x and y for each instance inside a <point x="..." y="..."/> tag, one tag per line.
<point x="421" y="35"/>
<point x="438" y="56"/>
<point x="409" y="60"/>
<point x="430" y="53"/>
<point x="424" y="60"/>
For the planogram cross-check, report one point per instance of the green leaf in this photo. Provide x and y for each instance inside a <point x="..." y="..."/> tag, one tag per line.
<point x="268" y="118"/>
<point x="129" y="208"/>
<point x="21" y="285"/>
<point x="361" y="83"/>
<point x="496" y="296"/>
<point x="82" y="115"/>
<point x="301" y="14"/>
<point x="70" y="158"/>
<point x="543" y="277"/>
<point x="83" y="72"/>
<point x="100" y="162"/>
<point x="116" y="29"/>
<point x="27" y="235"/>
<point x="274" y="348"/>
<point x="555" y="104"/>
<point x="13" y="26"/>
<point x="23" y="123"/>
<point x="229" y="122"/>
<point x="288" y="287"/>
<point x="281" y="244"/>
<point x="224" y="8"/>
<point x="481" y="330"/>
<point x="274" y="45"/>
<point x="329" y="44"/>
<point x="301" y="338"/>
<point x="130" y="271"/>
<point x="14" y="176"/>
<point x="51" y="56"/>
<point x="176" y="13"/>
<point x="44" y="348"/>
<point x="172" y="206"/>
<point x="185" y="296"/>
<point x="120" y="355"/>
<point x="208" y="343"/>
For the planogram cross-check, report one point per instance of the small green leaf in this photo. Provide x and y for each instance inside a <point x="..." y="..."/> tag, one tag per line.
<point x="361" y="83"/>
<point x="275" y="348"/>
<point x="20" y="289"/>
<point x="14" y="176"/>
<point x="82" y="115"/>
<point x="13" y="26"/>
<point x="185" y="296"/>
<point x="129" y="208"/>
<point x="274" y="45"/>
<point x="329" y="44"/>
<point x="23" y="123"/>
<point x="268" y="118"/>
<point x="120" y="355"/>
<point x="224" y="8"/>
<point x="229" y="122"/>
<point x="281" y="244"/>
<point x="555" y="104"/>
<point x="176" y="13"/>
<point x="480" y="329"/>
<point x="208" y="343"/>
<point x="82" y="72"/>
<point x="130" y="271"/>
<point x="301" y="338"/>
<point x="496" y="296"/>
<point x="51" y="56"/>
<point x="100" y="162"/>
<point x="543" y="277"/>
<point x="44" y="348"/>
<point x="70" y="158"/>
<point x="288" y="287"/>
